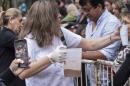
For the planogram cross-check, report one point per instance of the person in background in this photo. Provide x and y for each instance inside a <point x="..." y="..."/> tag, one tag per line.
<point x="10" y="27"/>
<point x="72" y="12"/>
<point x="116" y="6"/>
<point x="123" y="58"/>
<point x="123" y="74"/>
<point x="100" y="23"/>
<point x="125" y="17"/>
<point x="126" y="1"/>
<point x="108" y="5"/>
<point x="76" y="2"/>
<point x="62" y="8"/>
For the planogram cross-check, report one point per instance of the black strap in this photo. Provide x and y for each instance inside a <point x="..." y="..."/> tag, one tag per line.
<point x="63" y="38"/>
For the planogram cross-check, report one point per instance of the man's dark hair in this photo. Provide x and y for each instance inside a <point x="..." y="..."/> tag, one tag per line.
<point x="58" y="2"/>
<point x="94" y="3"/>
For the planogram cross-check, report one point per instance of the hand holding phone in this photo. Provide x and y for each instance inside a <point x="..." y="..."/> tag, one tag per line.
<point x="21" y="52"/>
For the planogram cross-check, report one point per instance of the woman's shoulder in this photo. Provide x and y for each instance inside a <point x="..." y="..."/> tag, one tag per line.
<point x="6" y="33"/>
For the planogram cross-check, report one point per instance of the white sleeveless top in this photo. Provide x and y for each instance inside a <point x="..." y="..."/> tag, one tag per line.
<point x="53" y="75"/>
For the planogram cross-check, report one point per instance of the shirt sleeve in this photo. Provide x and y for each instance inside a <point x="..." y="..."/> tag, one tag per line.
<point x="111" y="51"/>
<point x="7" y="76"/>
<point x="72" y="39"/>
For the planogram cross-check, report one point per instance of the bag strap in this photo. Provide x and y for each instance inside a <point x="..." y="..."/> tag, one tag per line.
<point x="62" y="37"/>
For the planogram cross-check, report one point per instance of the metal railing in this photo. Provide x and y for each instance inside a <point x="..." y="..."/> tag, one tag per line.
<point x="103" y="72"/>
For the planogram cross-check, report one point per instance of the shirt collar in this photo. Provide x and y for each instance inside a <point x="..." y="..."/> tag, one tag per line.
<point x="104" y="14"/>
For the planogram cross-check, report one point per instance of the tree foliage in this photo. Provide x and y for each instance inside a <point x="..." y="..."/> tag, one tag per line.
<point x="5" y="4"/>
<point x="14" y="3"/>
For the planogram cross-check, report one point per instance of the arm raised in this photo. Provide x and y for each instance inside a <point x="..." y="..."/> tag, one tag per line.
<point x="95" y="44"/>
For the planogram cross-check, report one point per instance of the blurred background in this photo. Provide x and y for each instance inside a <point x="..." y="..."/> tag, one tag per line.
<point x="16" y="3"/>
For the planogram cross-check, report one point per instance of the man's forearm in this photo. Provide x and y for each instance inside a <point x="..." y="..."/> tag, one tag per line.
<point x="93" y="55"/>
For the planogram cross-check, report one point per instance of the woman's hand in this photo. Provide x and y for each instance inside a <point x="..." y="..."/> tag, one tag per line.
<point x="58" y="55"/>
<point x="14" y="67"/>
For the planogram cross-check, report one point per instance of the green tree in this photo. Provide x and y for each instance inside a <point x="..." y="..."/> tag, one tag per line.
<point x="5" y="4"/>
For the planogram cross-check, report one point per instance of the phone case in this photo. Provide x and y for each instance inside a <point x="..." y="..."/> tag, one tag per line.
<point x="21" y="52"/>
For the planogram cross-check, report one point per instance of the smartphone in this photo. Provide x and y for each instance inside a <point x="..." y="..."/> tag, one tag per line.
<point x="21" y="52"/>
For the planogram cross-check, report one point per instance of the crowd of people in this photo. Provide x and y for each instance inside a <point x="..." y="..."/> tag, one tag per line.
<point x="93" y="25"/>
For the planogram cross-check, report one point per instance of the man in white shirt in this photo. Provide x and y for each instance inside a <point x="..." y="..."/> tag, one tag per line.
<point x="100" y="23"/>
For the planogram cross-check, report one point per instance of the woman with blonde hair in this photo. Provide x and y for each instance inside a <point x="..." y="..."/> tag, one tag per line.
<point x="116" y="6"/>
<point x="43" y="34"/>
<point x="72" y="12"/>
<point x="10" y="27"/>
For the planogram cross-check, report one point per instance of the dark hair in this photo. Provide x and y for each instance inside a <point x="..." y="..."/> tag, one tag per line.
<point x="82" y="2"/>
<point x="94" y="3"/>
